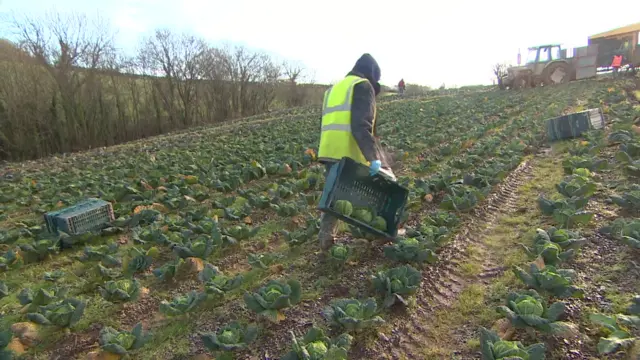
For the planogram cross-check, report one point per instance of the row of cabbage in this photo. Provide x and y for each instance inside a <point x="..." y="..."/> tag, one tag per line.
<point x="540" y="307"/>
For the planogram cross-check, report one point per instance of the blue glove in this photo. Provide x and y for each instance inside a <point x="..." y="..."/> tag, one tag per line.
<point x="374" y="167"/>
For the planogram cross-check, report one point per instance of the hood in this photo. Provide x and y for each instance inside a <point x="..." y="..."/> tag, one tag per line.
<point x="367" y="67"/>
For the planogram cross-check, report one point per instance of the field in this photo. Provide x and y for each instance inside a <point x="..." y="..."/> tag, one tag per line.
<point x="214" y="250"/>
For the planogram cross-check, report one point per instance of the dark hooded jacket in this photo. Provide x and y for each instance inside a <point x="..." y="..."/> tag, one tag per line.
<point x="363" y="108"/>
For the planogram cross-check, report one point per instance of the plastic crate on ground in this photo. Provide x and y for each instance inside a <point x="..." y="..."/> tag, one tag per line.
<point x="90" y="214"/>
<point x="350" y="180"/>
<point x="574" y="125"/>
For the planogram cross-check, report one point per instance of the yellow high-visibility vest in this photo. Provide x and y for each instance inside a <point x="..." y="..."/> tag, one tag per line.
<point x="336" y="139"/>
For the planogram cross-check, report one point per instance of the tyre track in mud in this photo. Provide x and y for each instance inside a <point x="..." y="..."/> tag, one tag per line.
<point x="443" y="281"/>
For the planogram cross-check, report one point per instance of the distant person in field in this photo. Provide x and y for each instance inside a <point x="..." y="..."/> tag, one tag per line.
<point x="349" y="129"/>
<point x="401" y="87"/>
<point x="616" y="63"/>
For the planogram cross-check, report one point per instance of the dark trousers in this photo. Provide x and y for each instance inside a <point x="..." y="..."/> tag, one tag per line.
<point x="328" y="223"/>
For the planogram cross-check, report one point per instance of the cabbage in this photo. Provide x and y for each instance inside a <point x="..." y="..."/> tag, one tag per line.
<point x="64" y="313"/>
<point x="396" y="283"/>
<point x="503" y="349"/>
<point x="344" y="207"/>
<point x="379" y="223"/>
<point x="317" y="350"/>
<point x="528" y="309"/>
<point x="216" y="283"/>
<point x="274" y="296"/>
<point x="339" y="254"/>
<point x="529" y="306"/>
<point x="410" y="250"/>
<point x="411" y="242"/>
<point x="121" y="342"/>
<point x="228" y="337"/>
<point x="340" y="251"/>
<point x="317" y="346"/>
<point x="231" y="337"/>
<point x="352" y="314"/>
<point x="493" y="347"/>
<point x="363" y="215"/>
<point x="352" y="310"/>
<point x="182" y="304"/>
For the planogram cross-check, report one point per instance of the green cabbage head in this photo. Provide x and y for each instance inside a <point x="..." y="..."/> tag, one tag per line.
<point x="121" y="342"/>
<point x="529" y="306"/>
<point x="317" y="349"/>
<point x="352" y="314"/>
<point x="182" y="304"/>
<point x="120" y="290"/>
<point x="317" y="346"/>
<point x="64" y="313"/>
<point x="396" y="283"/>
<point x="344" y="207"/>
<point x="410" y="250"/>
<point x="274" y="296"/>
<point x="529" y="309"/>
<point x="231" y="337"/>
<point x="505" y="349"/>
<point x="339" y="254"/>
<point x="494" y="348"/>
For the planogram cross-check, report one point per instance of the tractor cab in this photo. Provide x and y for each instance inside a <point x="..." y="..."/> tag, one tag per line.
<point x="545" y="53"/>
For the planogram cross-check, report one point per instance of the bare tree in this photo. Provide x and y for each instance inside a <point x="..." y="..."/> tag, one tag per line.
<point x="265" y="86"/>
<point x="216" y="87"/>
<point x="177" y="59"/>
<point x="292" y="71"/>
<point x="71" y="49"/>
<point x="500" y="70"/>
<point x="243" y="68"/>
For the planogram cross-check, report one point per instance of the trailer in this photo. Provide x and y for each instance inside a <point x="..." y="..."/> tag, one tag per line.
<point x="623" y="41"/>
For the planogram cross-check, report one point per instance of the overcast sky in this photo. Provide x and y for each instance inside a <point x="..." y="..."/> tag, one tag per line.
<point x="425" y="41"/>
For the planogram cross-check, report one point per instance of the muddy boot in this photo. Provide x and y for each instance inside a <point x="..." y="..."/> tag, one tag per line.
<point x="328" y="225"/>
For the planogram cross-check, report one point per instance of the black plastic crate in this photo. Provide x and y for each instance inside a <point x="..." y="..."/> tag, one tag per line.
<point x="350" y="180"/>
<point x="90" y="214"/>
<point x="574" y="125"/>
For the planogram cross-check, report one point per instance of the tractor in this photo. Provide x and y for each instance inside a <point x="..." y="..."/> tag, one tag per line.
<point x="545" y="65"/>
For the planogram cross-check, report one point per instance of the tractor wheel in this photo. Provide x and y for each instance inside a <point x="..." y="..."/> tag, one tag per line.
<point x="559" y="73"/>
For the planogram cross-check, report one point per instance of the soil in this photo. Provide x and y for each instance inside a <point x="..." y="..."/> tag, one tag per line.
<point x="75" y="344"/>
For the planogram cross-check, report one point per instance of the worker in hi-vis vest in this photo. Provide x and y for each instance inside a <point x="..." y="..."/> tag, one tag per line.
<point x="348" y="129"/>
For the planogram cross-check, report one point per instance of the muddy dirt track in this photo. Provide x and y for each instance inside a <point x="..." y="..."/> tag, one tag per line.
<point x="443" y="282"/>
